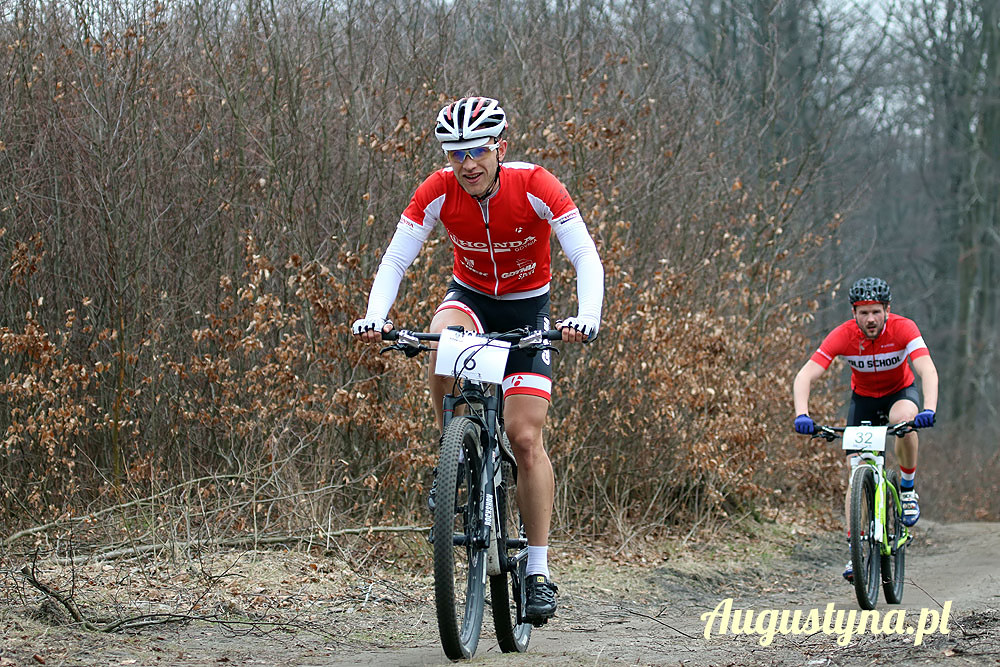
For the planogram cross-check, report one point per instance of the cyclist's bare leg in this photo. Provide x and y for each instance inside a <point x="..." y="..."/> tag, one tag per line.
<point x="442" y="384"/>
<point x="906" y="447"/>
<point x="524" y="417"/>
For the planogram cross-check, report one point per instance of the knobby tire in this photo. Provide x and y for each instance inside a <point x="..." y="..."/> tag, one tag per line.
<point x="893" y="564"/>
<point x="865" y="556"/>
<point x="459" y="570"/>
<point x="507" y="589"/>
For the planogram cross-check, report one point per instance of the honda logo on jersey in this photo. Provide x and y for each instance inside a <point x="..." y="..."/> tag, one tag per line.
<point x="498" y="246"/>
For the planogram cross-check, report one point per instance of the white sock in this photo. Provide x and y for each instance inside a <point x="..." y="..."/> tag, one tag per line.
<point x="538" y="560"/>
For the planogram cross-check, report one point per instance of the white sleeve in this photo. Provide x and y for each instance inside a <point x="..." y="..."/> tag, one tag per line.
<point x="582" y="253"/>
<point x="403" y="249"/>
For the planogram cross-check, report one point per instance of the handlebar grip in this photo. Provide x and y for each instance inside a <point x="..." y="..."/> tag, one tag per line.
<point x="391" y="334"/>
<point x="902" y="428"/>
<point x="556" y="334"/>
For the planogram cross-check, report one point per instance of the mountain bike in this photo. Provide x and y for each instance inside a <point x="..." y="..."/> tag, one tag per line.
<point x="877" y="535"/>
<point x="477" y="530"/>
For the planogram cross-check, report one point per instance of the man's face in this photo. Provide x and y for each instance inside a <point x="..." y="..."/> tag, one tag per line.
<point x="871" y="319"/>
<point x="476" y="176"/>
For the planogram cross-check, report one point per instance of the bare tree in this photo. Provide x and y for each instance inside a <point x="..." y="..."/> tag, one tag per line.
<point x="954" y="46"/>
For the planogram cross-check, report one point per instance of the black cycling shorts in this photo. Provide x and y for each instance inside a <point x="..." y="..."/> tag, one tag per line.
<point x="524" y="374"/>
<point x="875" y="410"/>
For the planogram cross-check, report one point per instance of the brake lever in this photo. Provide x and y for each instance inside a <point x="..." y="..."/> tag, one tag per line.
<point x="826" y="434"/>
<point x="904" y="429"/>
<point x="534" y="338"/>
<point x="409" y="350"/>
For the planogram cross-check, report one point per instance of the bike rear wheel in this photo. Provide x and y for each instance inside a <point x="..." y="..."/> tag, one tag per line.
<point x="507" y="589"/>
<point x="893" y="563"/>
<point x="459" y="565"/>
<point x="865" y="555"/>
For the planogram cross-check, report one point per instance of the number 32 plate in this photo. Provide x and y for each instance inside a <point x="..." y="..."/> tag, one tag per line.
<point x="865" y="438"/>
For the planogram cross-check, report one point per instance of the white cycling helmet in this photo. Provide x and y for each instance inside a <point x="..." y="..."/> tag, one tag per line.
<point x="469" y="122"/>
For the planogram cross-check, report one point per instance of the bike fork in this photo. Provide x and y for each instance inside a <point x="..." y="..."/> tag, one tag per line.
<point x="491" y="526"/>
<point x="489" y="535"/>
<point x="880" y="527"/>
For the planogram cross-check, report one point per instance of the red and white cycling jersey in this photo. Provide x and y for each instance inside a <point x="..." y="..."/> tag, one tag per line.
<point x="502" y="244"/>
<point x="878" y="367"/>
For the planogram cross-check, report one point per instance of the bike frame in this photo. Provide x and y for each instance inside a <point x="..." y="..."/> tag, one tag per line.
<point x="486" y="409"/>
<point x="479" y="403"/>
<point x="877" y="545"/>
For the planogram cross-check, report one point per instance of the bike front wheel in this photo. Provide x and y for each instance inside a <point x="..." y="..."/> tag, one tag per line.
<point x="507" y="589"/>
<point x="459" y="564"/>
<point x="865" y="554"/>
<point x="893" y="563"/>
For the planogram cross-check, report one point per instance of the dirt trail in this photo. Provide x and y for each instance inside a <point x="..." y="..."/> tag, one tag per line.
<point x="646" y="615"/>
<point x="656" y="619"/>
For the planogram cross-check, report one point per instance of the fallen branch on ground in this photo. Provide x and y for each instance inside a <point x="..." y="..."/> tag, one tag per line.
<point x="146" y="620"/>
<point x="249" y="540"/>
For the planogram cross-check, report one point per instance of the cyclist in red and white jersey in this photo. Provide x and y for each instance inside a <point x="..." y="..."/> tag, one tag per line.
<point x="500" y="217"/>
<point x="877" y="345"/>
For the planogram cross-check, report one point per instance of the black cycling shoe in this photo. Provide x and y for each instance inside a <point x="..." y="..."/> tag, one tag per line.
<point x="541" y="604"/>
<point x="433" y="491"/>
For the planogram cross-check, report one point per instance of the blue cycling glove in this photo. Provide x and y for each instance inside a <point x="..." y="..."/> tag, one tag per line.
<point x="805" y="425"/>
<point x="924" y="420"/>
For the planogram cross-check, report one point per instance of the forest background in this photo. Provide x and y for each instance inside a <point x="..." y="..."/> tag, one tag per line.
<point x="194" y="197"/>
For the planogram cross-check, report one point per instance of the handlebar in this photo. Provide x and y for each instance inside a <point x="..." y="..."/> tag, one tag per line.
<point x="411" y="342"/>
<point x="831" y="433"/>
<point x="510" y="336"/>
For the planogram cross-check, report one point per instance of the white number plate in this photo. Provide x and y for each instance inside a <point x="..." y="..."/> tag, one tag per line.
<point x="471" y="356"/>
<point x="865" y="438"/>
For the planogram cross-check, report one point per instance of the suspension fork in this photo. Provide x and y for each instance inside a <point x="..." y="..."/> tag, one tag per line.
<point x="879" y="534"/>
<point x="881" y="529"/>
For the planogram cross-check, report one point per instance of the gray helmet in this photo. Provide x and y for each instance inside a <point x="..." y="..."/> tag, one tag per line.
<point x="870" y="289"/>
